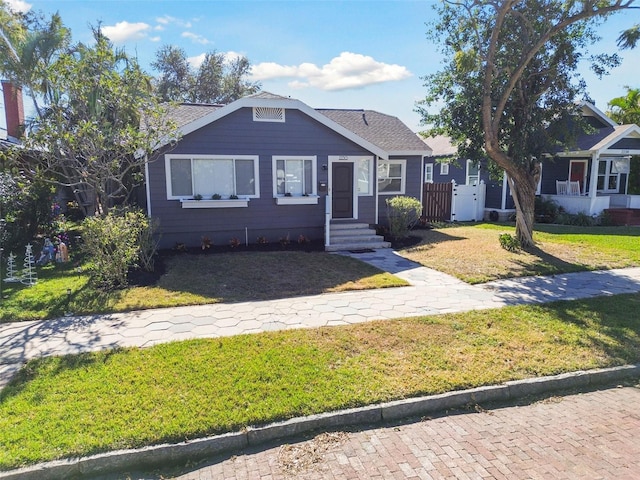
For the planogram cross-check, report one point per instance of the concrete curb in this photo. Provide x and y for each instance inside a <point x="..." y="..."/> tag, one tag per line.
<point x="193" y="450"/>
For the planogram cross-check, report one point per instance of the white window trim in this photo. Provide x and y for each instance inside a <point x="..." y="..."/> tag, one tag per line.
<point x="444" y="168"/>
<point x="470" y="163"/>
<point x="428" y="173"/>
<point x="282" y="199"/>
<point x="167" y="169"/>
<point x="609" y="165"/>
<point x="403" y="178"/>
<point x="356" y="164"/>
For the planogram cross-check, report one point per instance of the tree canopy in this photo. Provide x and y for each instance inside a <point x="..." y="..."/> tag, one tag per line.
<point x="626" y="109"/>
<point x="100" y="126"/>
<point x="218" y="79"/>
<point x="98" y="122"/>
<point x="30" y="44"/>
<point x="509" y="77"/>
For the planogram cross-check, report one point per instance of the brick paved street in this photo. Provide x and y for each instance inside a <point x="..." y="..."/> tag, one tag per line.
<point x="585" y="436"/>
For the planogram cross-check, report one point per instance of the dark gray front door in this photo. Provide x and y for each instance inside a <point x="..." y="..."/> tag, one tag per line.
<point x="342" y="190"/>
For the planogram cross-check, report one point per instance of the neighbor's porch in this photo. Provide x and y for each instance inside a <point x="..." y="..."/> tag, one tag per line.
<point x="605" y="187"/>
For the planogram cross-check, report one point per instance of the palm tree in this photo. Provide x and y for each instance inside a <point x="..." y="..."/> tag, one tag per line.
<point x="625" y="110"/>
<point x="30" y="48"/>
<point x="629" y="38"/>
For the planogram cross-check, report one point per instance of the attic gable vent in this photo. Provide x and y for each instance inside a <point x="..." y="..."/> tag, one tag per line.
<point x="268" y="114"/>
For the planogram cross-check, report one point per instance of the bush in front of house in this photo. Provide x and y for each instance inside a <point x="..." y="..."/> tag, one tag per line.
<point x="546" y="210"/>
<point x="112" y="245"/>
<point x="403" y="213"/>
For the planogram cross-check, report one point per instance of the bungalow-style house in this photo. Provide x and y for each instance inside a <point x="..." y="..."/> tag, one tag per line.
<point x="267" y="167"/>
<point x="591" y="177"/>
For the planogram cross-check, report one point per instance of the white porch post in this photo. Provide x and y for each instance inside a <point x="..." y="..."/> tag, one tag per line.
<point x="504" y="192"/>
<point x="593" y="183"/>
<point x="327" y="220"/>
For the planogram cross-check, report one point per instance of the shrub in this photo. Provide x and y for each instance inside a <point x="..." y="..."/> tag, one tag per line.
<point x="112" y="245"/>
<point x="546" y="210"/>
<point x="575" y="219"/>
<point x="403" y="213"/>
<point x="509" y="242"/>
<point x="25" y="208"/>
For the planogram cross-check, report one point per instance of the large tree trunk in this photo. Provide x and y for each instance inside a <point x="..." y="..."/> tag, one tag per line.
<point x="523" y="191"/>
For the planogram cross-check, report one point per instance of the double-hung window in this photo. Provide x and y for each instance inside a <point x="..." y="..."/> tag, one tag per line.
<point x="189" y="176"/>
<point x="294" y="176"/>
<point x="428" y="173"/>
<point x="473" y="172"/>
<point x="391" y="176"/>
<point x="608" y="178"/>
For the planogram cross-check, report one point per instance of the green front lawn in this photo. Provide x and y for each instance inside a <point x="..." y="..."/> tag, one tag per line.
<point x="473" y="253"/>
<point x="84" y="404"/>
<point x="470" y="252"/>
<point x="192" y="279"/>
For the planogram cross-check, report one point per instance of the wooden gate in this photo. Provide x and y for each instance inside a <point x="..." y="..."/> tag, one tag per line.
<point x="436" y="201"/>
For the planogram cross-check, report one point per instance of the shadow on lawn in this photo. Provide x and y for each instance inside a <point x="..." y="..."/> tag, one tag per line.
<point x="615" y="329"/>
<point x="249" y="276"/>
<point x="45" y="339"/>
<point x="548" y="264"/>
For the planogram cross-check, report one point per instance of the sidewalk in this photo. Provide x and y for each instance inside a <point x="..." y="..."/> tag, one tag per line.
<point x="431" y="292"/>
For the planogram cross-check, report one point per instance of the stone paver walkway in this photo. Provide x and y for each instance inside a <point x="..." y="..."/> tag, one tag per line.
<point x="578" y="437"/>
<point x="431" y="292"/>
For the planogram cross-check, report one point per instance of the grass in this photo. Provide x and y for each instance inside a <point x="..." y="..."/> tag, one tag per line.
<point x="193" y="280"/>
<point x="469" y="252"/>
<point x="84" y="404"/>
<point x="78" y="405"/>
<point x="473" y="253"/>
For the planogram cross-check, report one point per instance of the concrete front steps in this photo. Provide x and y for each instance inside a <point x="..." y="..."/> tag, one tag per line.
<point x="354" y="236"/>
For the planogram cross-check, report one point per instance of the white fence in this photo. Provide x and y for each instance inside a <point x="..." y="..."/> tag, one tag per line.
<point x="468" y="202"/>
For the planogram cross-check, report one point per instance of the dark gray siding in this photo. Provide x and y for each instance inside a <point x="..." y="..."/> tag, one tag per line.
<point x="413" y="184"/>
<point x="493" y="199"/>
<point x="238" y="134"/>
<point x="457" y="171"/>
<point x="627" y="144"/>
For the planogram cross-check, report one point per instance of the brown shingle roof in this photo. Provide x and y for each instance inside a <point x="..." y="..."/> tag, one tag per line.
<point x="385" y="131"/>
<point x="185" y="113"/>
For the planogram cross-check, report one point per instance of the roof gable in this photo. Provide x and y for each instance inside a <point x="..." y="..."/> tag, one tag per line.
<point x="382" y="135"/>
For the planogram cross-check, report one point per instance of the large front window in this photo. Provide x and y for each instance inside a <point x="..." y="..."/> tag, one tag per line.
<point x="391" y="176"/>
<point x="608" y="179"/>
<point x="294" y="176"/>
<point x="207" y="175"/>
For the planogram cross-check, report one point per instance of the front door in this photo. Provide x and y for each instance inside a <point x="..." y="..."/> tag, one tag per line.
<point x="578" y="172"/>
<point x="342" y="189"/>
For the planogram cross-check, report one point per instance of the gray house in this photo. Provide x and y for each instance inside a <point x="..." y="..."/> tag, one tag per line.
<point x="593" y="175"/>
<point x="269" y="167"/>
<point x="590" y="176"/>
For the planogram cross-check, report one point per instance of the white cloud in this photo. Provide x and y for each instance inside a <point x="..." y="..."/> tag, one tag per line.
<point x="19" y="5"/>
<point x="168" y="19"/>
<point x="194" y="37"/>
<point x="348" y="70"/>
<point x="123" y="31"/>
<point x="196" y="61"/>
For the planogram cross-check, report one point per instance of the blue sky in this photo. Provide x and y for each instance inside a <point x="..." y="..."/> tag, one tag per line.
<point x="329" y="54"/>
